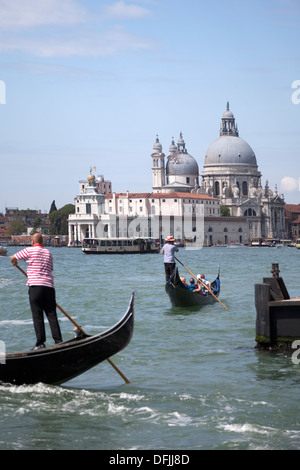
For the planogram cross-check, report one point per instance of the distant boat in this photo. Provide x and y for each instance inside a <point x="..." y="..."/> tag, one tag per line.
<point x="256" y="241"/>
<point x="119" y="246"/>
<point x="181" y="296"/>
<point x="62" y="362"/>
<point x="267" y="242"/>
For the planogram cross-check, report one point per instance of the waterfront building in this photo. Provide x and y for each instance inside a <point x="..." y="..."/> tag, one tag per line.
<point x="184" y="215"/>
<point x="230" y="178"/>
<point x="4" y="224"/>
<point x="137" y="214"/>
<point x="292" y="212"/>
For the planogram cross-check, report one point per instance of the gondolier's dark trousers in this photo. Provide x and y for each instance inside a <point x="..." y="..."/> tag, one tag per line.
<point x="169" y="268"/>
<point x="42" y="299"/>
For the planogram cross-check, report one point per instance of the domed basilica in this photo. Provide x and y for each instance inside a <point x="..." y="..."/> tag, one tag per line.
<point x="230" y="173"/>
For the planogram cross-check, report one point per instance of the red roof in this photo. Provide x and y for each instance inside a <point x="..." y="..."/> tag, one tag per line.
<point x="292" y="208"/>
<point x="173" y="195"/>
<point x="181" y="195"/>
<point x="129" y="195"/>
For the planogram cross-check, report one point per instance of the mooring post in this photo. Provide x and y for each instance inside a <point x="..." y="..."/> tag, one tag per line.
<point x="275" y="269"/>
<point x="262" y="297"/>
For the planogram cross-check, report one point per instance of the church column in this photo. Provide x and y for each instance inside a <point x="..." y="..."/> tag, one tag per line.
<point x="70" y="231"/>
<point x="80" y="232"/>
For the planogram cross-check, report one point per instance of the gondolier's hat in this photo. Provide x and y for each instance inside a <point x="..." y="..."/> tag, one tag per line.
<point x="170" y="239"/>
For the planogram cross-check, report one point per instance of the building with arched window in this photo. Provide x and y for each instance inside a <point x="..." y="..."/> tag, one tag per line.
<point x="231" y="174"/>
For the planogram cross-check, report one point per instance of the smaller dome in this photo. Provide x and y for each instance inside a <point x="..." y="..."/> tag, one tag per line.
<point x="182" y="164"/>
<point x="157" y="147"/>
<point x="228" y="115"/>
<point x="173" y="148"/>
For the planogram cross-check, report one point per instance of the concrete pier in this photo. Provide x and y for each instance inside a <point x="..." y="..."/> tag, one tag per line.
<point x="277" y="315"/>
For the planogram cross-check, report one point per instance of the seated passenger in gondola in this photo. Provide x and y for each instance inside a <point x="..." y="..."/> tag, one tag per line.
<point x="78" y="333"/>
<point x="183" y="280"/>
<point x="201" y="278"/>
<point x="192" y="285"/>
<point x="198" y="288"/>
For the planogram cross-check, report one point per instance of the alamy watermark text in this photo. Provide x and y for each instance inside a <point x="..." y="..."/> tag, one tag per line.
<point x="2" y="353"/>
<point x="2" y="92"/>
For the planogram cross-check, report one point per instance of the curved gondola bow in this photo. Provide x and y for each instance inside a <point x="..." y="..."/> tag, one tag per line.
<point x="60" y="363"/>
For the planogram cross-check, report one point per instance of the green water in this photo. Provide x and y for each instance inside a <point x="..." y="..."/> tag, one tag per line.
<point x="197" y="381"/>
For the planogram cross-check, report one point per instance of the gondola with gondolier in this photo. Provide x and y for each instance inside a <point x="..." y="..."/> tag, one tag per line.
<point x="67" y="359"/>
<point x="182" y="296"/>
<point x="62" y="362"/>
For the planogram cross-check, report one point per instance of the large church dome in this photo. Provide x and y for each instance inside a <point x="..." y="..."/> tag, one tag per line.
<point x="180" y="162"/>
<point x="229" y="148"/>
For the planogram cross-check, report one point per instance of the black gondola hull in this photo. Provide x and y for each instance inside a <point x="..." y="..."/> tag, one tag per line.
<point x="63" y="362"/>
<point x="180" y="296"/>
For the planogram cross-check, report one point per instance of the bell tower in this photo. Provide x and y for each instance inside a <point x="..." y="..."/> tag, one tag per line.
<point x="158" y="167"/>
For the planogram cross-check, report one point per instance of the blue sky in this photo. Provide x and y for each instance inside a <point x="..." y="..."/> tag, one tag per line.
<point x="91" y="83"/>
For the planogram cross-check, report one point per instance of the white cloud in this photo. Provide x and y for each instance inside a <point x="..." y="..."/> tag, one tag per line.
<point x="120" y="10"/>
<point x="289" y="184"/>
<point x="28" y="27"/>
<point x="17" y="14"/>
<point x="84" y="43"/>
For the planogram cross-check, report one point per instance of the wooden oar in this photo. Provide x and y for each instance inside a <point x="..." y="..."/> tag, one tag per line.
<point x="206" y="287"/>
<point x="79" y="328"/>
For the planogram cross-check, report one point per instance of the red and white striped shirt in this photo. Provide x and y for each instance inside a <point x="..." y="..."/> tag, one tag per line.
<point x="40" y="265"/>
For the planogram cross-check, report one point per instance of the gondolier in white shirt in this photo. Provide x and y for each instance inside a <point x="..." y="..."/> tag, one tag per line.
<point x="41" y="288"/>
<point x="168" y="251"/>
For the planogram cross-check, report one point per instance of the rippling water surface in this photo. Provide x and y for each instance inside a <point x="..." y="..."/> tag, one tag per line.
<point x="197" y="381"/>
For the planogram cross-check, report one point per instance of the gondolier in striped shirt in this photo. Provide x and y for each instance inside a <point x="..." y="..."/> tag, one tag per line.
<point x="41" y="288"/>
